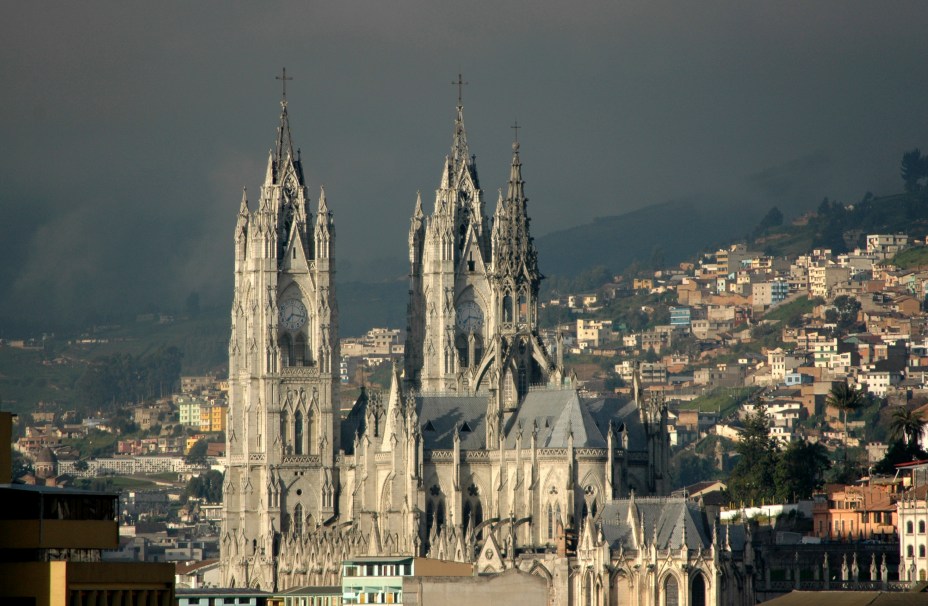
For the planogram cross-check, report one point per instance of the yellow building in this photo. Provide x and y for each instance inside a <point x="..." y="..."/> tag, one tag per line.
<point x="213" y="417"/>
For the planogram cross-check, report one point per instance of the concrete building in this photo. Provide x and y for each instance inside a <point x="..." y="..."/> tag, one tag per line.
<point x="381" y="580"/>
<point x="854" y="512"/>
<point x="912" y="525"/>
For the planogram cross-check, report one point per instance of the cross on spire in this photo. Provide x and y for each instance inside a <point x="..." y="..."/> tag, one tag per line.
<point x="460" y="84"/>
<point x="283" y="77"/>
<point x="515" y="127"/>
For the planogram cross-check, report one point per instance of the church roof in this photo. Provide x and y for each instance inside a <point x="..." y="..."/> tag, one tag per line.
<point x="555" y="413"/>
<point x="619" y="412"/>
<point x="440" y="415"/>
<point x="664" y="519"/>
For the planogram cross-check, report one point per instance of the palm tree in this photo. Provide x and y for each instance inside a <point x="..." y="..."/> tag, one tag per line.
<point x="845" y="398"/>
<point x="907" y="424"/>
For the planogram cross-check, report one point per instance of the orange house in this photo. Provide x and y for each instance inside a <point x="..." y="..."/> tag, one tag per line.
<point x="854" y="512"/>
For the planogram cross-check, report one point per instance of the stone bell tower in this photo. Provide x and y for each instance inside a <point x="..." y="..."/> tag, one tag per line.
<point x="283" y="426"/>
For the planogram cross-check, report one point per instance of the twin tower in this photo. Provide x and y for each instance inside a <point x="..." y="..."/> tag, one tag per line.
<point x="481" y="447"/>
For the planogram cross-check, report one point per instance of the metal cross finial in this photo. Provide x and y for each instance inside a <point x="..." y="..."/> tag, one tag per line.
<point x="460" y="84"/>
<point x="284" y="78"/>
<point x="516" y="128"/>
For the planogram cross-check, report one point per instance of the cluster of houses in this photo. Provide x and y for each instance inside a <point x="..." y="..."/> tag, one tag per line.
<point x="718" y="308"/>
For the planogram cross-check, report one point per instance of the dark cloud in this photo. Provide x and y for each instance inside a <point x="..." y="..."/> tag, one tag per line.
<point x="129" y="131"/>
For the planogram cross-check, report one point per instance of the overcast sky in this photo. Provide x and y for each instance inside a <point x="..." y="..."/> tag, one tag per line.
<point x="129" y="129"/>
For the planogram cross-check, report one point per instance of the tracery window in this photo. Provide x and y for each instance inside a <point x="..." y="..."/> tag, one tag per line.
<point x="507" y="308"/>
<point x="298" y="520"/>
<point x="671" y="591"/>
<point x="298" y="433"/>
<point x="698" y="591"/>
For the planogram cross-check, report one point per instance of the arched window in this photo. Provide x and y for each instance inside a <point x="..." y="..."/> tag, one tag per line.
<point x="298" y="433"/>
<point x="671" y="591"/>
<point x="921" y="527"/>
<point x="299" y="351"/>
<point x="909" y="528"/>
<point x="440" y="514"/>
<point x="550" y="522"/>
<point x="298" y="520"/>
<point x="283" y="427"/>
<point x="286" y="350"/>
<point x="429" y="515"/>
<point x="523" y="308"/>
<point x="523" y="380"/>
<point x="310" y="432"/>
<point x="698" y="591"/>
<point x="460" y="343"/>
<point x="507" y="308"/>
<point x="910" y="551"/>
<point x="921" y="551"/>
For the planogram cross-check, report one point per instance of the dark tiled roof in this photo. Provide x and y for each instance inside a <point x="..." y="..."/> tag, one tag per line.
<point x="665" y="519"/>
<point x="440" y="415"/>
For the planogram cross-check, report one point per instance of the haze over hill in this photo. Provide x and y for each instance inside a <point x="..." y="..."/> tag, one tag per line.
<point x="127" y="141"/>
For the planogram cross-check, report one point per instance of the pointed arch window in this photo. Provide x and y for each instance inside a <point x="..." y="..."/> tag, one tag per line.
<point x="698" y="591"/>
<point x="507" y="307"/>
<point x="550" y="522"/>
<point x="310" y="431"/>
<point x="508" y="396"/>
<point x="440" y="513"/>
<point x="286" y="350"/>
<point x="298" y="520"/>
<point x="470" y="261"/>
<point x="523" y="308"/>
<point x="523" y="380"/>
<point x="283" y="427"/>
<point x="671" y="591"/>
<point x="298" y="433"/>
<point x="299" y="350"/>
<point x="429" y="515"/>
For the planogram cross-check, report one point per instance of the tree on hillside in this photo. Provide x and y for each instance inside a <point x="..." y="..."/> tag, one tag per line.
<point x="197" y="453"/>
<point x="914" y="170"/>
<point x="907" y="425"/>
<point x="773" y="218"/>
<point x="753" y="478"/>
<point x="846" y="399"/>
<point x="844" y="314"/>
<point x="800" y="470"/>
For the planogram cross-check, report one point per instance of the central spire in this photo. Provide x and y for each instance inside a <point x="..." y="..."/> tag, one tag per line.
<point x="284" y="144"/>
<point x="459" y="151"/>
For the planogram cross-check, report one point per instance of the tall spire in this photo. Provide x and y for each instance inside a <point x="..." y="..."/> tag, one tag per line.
<point x="459" y="150"/>
<point x="284" y="144"/>
<point x="515" y="192"/>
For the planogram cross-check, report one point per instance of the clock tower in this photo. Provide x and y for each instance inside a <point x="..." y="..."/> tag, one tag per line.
<point x="473" y="310"/>
<point x="283" y="427"/>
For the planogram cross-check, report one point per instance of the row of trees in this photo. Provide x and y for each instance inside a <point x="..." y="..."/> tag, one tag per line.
<point x="121" y="378"/>
<point x="765" y="472"/>
<point x="914" y="171"/>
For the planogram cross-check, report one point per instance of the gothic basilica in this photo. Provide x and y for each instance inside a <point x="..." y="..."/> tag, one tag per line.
<point x="482" y="450"/>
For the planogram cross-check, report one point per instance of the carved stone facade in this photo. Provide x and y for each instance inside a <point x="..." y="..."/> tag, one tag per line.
<point x="283" y="426"/>
<point x="481" y="451"/>
<point x="473" y="308"/>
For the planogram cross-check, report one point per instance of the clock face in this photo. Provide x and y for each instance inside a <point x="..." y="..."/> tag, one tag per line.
<point x="469" y="317"/>
<point x="293" y="314"/>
